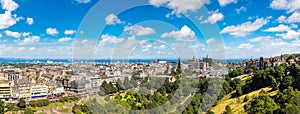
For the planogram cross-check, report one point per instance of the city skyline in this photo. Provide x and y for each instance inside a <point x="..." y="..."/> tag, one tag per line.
<point x="50" y="29"/>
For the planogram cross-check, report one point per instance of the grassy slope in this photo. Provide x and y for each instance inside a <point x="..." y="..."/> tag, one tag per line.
<point x="237" y="108"/>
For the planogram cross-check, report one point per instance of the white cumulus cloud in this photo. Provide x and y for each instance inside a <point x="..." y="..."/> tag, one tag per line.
<point x="108" y="39"/>
<point x="69" y="32"/>
<point x="13" y="34"/>
<point x="180" y="6"/>
<point x="66" y="39"/>
<point x="52" y="31"/>
<point x="280" y="28"/>
<point x="288" y="5"/>
<point x="29" y="21"/>
<point x="139" y="30"/>
<point x="112" y="19"/>
<point x="30" y="40"/>
<point x="260" y="39"/>
<point x="9" y="5"/>
<point x="7" y="20"/>
<point x="83" y="1"/>
<point x="244" y="29"/>
<point x="185" y="34"/>
<point x="291" y="34"/>
<point x="245" y="46"/>
<point x="226" y="2"/>
<point x="214" y="17"/>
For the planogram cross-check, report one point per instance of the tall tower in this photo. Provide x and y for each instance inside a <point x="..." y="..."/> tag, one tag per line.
<point x="281" y="58"/>
<point x="108" y="61"/>
<point x="179" y="63"/>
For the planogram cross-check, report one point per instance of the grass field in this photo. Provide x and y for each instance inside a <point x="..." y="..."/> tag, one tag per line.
<point x="53" y="105"/>
<point x="65" y="110"/>
<point x="237" y="107"/>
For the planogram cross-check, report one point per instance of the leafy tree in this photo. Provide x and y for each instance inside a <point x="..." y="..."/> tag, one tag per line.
<point x="287" y="81"/>
<point x="1" y="107"/>
<point x="246" y="98"/>
<point x="111" y="88"/>
<point x="127" y="83"/>
<point x="236" y="72"/>
<point x="228" y="110"/>
<point x="119" y="85"/>
<point x="262" y="104"/>
<point x="290" y="57"/>
<point x="22" y="103"/>
<point x="10" y="106"/>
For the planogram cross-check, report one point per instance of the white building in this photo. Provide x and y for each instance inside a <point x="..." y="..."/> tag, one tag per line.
<point x="39" y="91"/>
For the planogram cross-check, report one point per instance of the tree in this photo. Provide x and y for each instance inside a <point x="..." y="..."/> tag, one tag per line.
<point x="1" y="107"/>
<point x="262" y="104"/>
<point x="228" y="110"/>
<point x="119" y="85"/>
<point x="290" y="57"/>
<point x="246" y="98"/>
<point x="10" y="106"/>
<point x="111" y="88"/>
<point x="236" y="72"/>
<point x="133" y="82"/>
<point x="287" y="81"/>
<point x="22" y="103"/>
<point x="127" y="83"/>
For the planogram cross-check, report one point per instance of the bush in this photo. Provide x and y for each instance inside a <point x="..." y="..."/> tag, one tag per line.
<point x="246" y="98"/>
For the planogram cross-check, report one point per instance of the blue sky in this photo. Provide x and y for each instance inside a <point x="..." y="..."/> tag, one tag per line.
<point x="223" y="29"/>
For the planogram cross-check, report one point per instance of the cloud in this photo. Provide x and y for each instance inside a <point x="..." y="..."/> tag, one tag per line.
<point x="226" y="2"/>
<point x="180" y="6"/>
<point x="25" y="34"/>
<point x="139" y="30"/>
<point x="52" y="31"/>
<point x="81" y="32"/>
<point x="161" y="47"/>
<point x="9" y="5"/>
<point x="1" y="36"/>
<point x="244" y="29"/>
<point x="281" y="19"/>
<point x="69" y="32"/>
<point x="112" y="19"/>
<point x="7" y="20"/>
<point x="245" y="46"/>
<point x="291" y="34"/>
<point x="239" y="10"/>
<point x="108" y="39"/>
<point x="260" y="39"/>
<point x="29" y="21"/>
<point x="32" y="48"/>
<point x="294" y="18"/>
<point x="30" y="40"/>
<point x="185" y="34"/>
<point x="215" y="17"/>
<point x="288" y="5"/>
<point x="12" y="34"/>
<point x="85" y="41"/>
<point x="83" y="1"/>
<point x="294" y="26"/>
<point x="280" y="28"/>
<point x="211" y="41"/>
<point x="66" y="39"/>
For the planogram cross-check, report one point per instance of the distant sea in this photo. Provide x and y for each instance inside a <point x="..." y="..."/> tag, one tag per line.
<point x="14" y="60"/>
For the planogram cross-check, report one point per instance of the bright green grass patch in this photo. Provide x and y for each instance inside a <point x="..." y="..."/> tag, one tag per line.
<point x="238" y="107"/>
<point x="65" y="110"/>
<point x="56" y="104"/>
